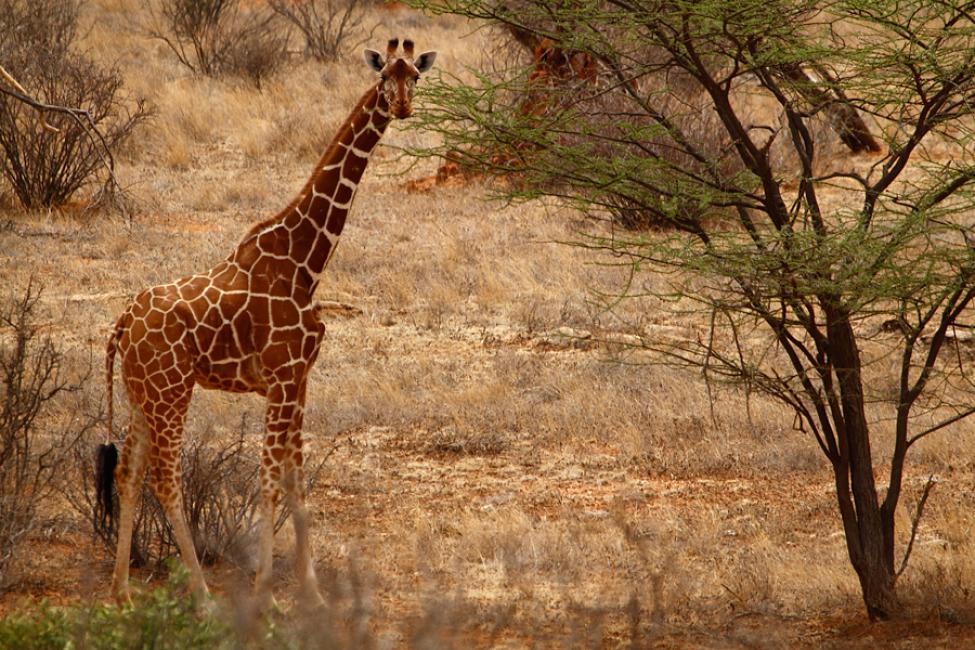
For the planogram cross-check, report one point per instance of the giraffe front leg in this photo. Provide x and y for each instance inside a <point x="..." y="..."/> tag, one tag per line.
<point x="294" y="488"/>
<point x="282" y="475"/>
<point x="265" y="550"/>
<point x="281" y="402"/>
<point x="304" y="564"/>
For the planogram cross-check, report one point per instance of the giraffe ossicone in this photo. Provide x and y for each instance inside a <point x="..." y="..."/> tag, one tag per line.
<point x="249" y="324"/>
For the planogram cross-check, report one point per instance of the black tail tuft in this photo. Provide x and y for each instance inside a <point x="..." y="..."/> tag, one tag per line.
<point x="106" y="458"/>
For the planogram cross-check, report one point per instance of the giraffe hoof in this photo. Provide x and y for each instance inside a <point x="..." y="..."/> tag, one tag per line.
<point x="206" y="605"/>
<point x="311" y="599"/>
<point x="123" y="596"/>
<point x="262" y="603"/>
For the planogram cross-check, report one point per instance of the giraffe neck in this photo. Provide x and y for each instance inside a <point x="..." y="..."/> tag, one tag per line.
<point x="309" y="228"/>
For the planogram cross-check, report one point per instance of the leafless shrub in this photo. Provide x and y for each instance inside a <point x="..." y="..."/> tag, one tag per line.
<point x="221" y="37"/>
<point x="942" y="589"/>
<point x="33" y="376"/>
<point x="221" y="494"/>
<point x="324" y="24"/>
<point x="46" y="168"/>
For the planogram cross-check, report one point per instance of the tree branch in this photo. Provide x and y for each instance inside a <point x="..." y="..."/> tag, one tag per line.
<point x="915" y="522"/>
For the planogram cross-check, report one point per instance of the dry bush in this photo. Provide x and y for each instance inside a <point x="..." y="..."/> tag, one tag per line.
<point x="221" y="495"/>
<point x="221" y="37"/>
<point x="45" y="168"/>
<point x="33" y="376"/>
<point x="451" y="441"/>
<point x="324" y="24"/>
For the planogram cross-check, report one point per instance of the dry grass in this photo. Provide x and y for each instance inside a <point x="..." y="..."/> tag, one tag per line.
<point x="495" y="480"/>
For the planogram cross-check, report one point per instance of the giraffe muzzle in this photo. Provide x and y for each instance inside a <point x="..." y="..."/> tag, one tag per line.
<point x="402" y="110"/>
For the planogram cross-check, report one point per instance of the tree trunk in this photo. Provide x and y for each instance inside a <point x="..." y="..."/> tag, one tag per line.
<point x="877" y="582"/>
<point x="869" y="536"/>
<point x="867" y="545"/>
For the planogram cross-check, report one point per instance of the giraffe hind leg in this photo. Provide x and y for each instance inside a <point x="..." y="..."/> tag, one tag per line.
<point x="165" y="476"/>
<point x="265" y="552"/>
<point x="129" y="474"/>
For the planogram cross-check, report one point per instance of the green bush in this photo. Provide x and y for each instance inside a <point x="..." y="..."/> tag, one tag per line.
<point x="161" y="618"/>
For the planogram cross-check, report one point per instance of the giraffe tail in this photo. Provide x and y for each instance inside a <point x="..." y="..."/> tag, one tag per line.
<point x="106" y="458"/>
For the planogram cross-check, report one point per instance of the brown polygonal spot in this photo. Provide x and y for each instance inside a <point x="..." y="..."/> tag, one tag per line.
<point x="366" y="141"/>
<point x="359" y="121"/>
<point x="199" y="307"/>
<point x="137" y="330"/>
<point x="192" y="289"/>
<point x="321" y="250"/>
<point x="353" y="167"/>
<point x="326" y="181"/>
<point x="343" y="194"/>
<point x="276" y="354"/>
<point x="231" y="304"/>
<point x="336" y="220"/>
<point x="259" y="280"/>
<point x="284" y="313"/>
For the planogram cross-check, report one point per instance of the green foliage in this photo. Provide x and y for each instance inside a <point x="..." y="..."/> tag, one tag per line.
<point x="161" y="619"/>
<point x="38" y="629"/>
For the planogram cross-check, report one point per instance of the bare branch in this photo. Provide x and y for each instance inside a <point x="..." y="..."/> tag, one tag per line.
<point x="915" y="522"/>
<point x="85" y="121"/>
<point x="13" y="82"/>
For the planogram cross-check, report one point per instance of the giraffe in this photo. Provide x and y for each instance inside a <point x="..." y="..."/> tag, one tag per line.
<point x="247" y="325"/>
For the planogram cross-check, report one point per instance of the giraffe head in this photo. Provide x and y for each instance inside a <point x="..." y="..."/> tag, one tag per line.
<point x="399" y="74"/>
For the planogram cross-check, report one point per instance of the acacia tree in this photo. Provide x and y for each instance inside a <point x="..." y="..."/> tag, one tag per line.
<point x="817" y="284"/>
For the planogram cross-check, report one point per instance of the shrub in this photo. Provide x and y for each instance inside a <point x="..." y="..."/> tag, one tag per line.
<point x="324" y="24"/>
<point x="221" y="494"/>
<point x="161" y="618"/>
<point x="32" y="376"/>
<point x="45" y="169"/>
<point x="221" y="37"/>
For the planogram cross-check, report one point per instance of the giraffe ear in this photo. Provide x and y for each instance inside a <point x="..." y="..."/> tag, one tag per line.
<point x="373" y="59"/>
<point x="424" y="62"/>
